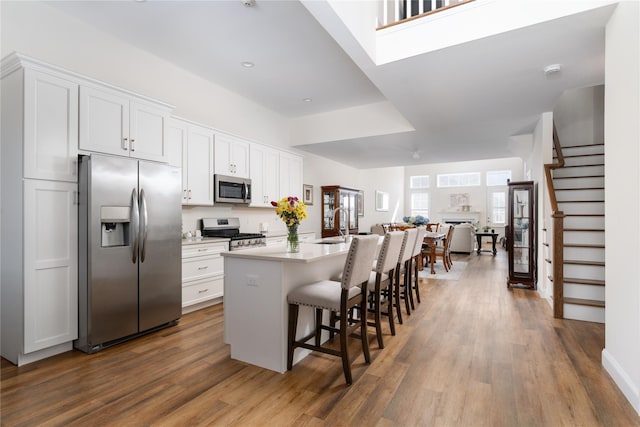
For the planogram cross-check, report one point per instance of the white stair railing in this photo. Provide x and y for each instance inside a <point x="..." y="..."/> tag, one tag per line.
<point x="395" y="11"/>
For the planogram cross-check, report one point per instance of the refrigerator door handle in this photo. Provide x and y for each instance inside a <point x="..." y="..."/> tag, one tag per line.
<point x="143" y="225"/>
<point x="135" y="225"/>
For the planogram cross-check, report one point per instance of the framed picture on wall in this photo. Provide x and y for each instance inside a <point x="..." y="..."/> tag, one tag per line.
<point x="382" y="201"/>
<point x="307" y="194"/>
<point x="361" y="203"/>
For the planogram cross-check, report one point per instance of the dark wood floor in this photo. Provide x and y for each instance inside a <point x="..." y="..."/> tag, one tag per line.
<point x="473" y="353"/>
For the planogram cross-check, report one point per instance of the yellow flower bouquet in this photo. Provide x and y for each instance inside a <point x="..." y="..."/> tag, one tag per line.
<point x="292" y="211"/>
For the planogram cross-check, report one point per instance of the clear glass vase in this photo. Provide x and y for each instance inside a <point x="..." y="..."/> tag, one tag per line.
<point x="293" y="244"/>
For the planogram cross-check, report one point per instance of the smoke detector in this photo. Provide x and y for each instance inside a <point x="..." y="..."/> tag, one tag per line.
<point x="552" y="69"/>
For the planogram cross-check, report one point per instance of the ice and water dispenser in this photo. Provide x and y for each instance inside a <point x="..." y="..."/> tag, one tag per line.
<point x="115" y="222"/>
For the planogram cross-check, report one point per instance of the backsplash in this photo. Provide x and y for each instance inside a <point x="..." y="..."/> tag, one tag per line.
<point x="252" y="220"/>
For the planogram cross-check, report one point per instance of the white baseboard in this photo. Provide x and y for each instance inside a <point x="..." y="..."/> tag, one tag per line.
<point x="622" y="380"/>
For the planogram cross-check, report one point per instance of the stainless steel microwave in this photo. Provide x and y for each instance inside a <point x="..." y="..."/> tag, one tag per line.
<point x="232" y="189"/>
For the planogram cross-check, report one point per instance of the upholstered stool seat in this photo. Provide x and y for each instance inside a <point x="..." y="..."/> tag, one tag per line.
<point x="324" y="294"/>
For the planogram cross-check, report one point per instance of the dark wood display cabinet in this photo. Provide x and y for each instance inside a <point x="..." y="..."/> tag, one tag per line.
<point x="336" y="222"/>
<point x="521" y="234"/>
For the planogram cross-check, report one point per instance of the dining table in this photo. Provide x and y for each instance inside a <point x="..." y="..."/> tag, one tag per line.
<point x="431" y="239"/>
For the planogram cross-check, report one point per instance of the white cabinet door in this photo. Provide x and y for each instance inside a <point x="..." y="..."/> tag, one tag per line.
<point x="199" y="166"/>
<point x="148" y="131"/>
<point x="232" y="156"/>
<point x="112" y="122"/>
<point x="264" y="174"/>
<point x="177" y="151"/>
<point x="50" y="127"/>
<point x="104" y="121"/>
<point x="290" y="175"/>
<point x="50" y="264"/>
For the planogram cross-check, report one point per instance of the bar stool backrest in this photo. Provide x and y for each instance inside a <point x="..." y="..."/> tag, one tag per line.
<point x="357" y="267"/>
<point x="410" y="241"/>
<point x="390" y="251"/>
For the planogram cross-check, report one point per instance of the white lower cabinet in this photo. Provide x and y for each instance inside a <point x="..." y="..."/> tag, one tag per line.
<point x="202" y="275"/>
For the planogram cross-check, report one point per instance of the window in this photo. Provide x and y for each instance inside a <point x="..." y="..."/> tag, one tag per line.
<point x="469" y="179"/>
<point x="495" y="178"/>
<point x="419" y="182"/>
<point x="420" y="203"/>
<point x="498" y="207"/>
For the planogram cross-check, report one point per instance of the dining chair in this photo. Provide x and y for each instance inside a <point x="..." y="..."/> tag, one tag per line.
<point x="433" y="227"/>
<point x="444" y="251"/>
<point x="400" y="286"/>
<point x="380" y="284"/>
<point x="414" y="264"/>
<point x="337" y="297"/>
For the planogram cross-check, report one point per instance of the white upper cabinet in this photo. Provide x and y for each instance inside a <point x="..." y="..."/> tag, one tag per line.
<point x="113" y="122"/>
<point x="191" y="147"/>
<point x="264" y="175"/>
<point x="231" y="156"/>
<point x="290" y="175"/>
<point x="50" y="127"/>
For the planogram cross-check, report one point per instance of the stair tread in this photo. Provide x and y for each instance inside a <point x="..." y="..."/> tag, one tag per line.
<point x="581" y="201"/>
<point x="583" y="245"/>
<point x="583" y="145"/>
<point x="592" y="282"/>
<point x="579" y="188"/>
<point x="581" y="166"/>
<point x="578" y="177"/>
<point x="573" y="156"/>
<point x="580" y="262"/>
<point x="588" y="302"/>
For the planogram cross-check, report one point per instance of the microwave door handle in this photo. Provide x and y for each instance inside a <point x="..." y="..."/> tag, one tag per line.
<point x="244" y="191"/>
<point x="144" y="225"/>
<point x="135" y="225"/>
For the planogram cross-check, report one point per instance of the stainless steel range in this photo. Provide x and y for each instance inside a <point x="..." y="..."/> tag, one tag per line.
<point x="230" y="228"/>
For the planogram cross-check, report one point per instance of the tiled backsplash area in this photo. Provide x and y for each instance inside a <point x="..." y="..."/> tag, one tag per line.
<point x="252" y="220"/>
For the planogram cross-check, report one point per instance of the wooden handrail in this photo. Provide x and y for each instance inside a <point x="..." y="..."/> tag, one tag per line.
<point x="557" y="255"/>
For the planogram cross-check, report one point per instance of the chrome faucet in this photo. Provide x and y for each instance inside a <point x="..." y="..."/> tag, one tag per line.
<point x="344" y="235"/>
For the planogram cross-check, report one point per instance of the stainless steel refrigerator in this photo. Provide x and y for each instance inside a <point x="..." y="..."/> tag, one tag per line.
<point x="130" y="273"/>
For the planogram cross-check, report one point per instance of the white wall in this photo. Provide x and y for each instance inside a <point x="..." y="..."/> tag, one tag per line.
<point x="621" y="356"/>
<point x="439" y="198"/>
<point x="578" y="116"/>
<point x="542" y="153"/>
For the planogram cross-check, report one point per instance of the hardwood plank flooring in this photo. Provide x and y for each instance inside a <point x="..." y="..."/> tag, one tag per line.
<point x="473" y="353"/>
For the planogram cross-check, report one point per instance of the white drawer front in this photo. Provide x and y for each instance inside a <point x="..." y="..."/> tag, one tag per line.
<point x="204" y="249"/>
<point x="202" y="290"/>
<point x="202" y="267"/>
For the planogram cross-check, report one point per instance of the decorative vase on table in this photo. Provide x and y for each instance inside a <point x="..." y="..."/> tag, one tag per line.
<point x="293" y="244"/>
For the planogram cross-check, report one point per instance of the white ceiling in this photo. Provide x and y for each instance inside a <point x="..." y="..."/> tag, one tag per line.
<point x="464" y="102"/>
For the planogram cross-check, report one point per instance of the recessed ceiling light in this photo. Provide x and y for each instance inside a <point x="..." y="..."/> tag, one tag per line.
<point x="552" y="69"/>
<point x="249" y="3"/>
<point x="247" y="64"/>
<point x="415" y="155"/>
<point x="307" y="99"/>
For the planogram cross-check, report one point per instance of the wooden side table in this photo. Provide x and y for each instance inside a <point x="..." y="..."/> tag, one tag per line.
<point x="494" y="238"/>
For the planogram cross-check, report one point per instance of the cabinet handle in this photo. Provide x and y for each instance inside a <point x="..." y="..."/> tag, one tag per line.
<point x="184" y="194"/>
<point x="133" y="141"/>
<point x="202" y="291"/>
<point x="202" y="250"/>
<point x="203" y="268"/>
<point x="124" y="144"/>
<point x="189" y="198"/>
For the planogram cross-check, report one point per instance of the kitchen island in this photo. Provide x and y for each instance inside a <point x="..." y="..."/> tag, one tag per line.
<point x="256" y="285"/>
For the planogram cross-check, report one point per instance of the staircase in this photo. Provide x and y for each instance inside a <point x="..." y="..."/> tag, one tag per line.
<point x="579" y="190"/>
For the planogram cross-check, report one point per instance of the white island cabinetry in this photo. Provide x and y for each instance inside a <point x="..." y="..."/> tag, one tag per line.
<point x="256" y="284"/>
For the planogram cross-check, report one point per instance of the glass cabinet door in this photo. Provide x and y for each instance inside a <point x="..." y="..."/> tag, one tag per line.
<point x="328" y="203"/>
<point x="521" y="240"/>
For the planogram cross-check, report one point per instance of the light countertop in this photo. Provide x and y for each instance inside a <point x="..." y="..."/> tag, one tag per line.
<point x="309" y="252"/>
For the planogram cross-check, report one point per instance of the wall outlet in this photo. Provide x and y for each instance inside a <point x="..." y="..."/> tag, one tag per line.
<point x="252" y="280"/>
